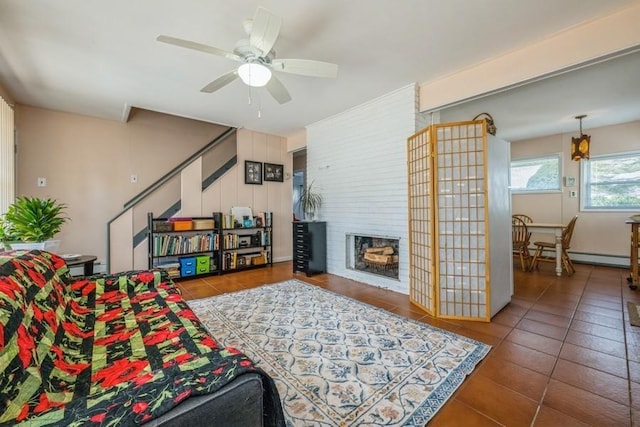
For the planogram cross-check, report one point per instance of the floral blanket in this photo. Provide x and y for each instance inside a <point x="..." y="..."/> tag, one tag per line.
<point x="106" y="350"/>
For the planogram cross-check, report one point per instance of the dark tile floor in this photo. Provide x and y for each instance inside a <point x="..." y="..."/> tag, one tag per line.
<point x="564" y="353"/>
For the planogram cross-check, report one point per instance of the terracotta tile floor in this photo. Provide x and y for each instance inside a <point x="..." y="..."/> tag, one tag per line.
<point x="564" y="353"/>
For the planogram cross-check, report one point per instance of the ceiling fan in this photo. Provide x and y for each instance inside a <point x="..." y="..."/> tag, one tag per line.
<point x="258" y="58"/>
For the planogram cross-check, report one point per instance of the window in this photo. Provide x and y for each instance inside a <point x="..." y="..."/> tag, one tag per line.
<point x="611" y="182"/>
<point x="537" y="174"/>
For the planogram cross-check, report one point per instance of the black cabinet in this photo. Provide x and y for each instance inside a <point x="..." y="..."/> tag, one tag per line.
<point x="310" y="247"/>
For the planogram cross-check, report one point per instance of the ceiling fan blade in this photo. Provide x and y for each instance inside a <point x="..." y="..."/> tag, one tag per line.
<point x="265" y="30"/>
<point x="220" y="82"/>
<point x="306" y="67"/>
<point x="198" y="46"/>
<point x="278" y="91"/>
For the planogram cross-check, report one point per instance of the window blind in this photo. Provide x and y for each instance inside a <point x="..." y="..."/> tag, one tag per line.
<point x="7" y="156"/>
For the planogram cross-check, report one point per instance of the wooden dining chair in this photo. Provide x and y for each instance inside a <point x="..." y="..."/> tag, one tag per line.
<point x="526" y="218"/>
<point x="520" y="236"/>
<point x="567" y="233"/>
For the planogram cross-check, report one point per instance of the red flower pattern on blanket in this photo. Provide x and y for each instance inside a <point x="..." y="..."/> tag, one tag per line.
<point x="25" y="346"/>
<point x="84" y="286"/>
<point x="119" y="371"/>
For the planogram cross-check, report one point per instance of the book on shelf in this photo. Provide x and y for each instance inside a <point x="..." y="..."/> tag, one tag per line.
<point x="228" y="221"/>
<point x="217" y="220"/>
<point x="230" y="241"/>
<point x="229" y="261"/>
<point x="168" y="244"/>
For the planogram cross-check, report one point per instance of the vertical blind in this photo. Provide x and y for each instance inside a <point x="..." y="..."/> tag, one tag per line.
<point x="7" y="156"/>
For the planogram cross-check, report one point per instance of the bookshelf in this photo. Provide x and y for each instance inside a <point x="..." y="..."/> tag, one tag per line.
<point x="221" y="243"/>
<point x="184" y="247"/>
<point x="246" y="242"/>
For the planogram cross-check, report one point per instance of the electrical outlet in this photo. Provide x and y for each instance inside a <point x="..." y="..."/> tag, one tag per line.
<point x="134" y="179"/>
<point x="42" y="182"/>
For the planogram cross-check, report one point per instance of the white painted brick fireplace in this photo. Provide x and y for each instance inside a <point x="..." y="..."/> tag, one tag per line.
<point x="358" y="161"/>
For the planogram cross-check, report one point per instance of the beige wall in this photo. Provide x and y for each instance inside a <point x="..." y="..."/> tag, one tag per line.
<point x="88" y="163"/>
<point x="275" y="197"/>
<point x="297" y="141"/>
<point x="602" y="233"/>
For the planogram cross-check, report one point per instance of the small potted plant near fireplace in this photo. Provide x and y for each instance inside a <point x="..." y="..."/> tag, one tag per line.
<point x="310" y="201"/>
<point x="32" y="222"/>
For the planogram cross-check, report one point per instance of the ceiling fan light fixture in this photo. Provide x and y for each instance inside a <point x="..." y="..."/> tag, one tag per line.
<point x="255" y="75"/>
<point x="580" y="144"/>
<point x="257" y="58"/>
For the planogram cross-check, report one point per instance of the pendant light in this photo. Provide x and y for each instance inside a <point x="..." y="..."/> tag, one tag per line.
<point x="580" y="144"/>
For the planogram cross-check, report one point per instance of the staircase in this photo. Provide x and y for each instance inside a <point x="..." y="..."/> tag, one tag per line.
<point x="179" y="190"/>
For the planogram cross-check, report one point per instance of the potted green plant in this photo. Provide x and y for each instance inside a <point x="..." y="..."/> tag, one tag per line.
<point x="32" y="222"/>
<point x="5" y="236"/>
<point x="310" y="201"/>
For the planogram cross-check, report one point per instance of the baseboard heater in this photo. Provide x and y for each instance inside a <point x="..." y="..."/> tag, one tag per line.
<point x="596" y="259"/>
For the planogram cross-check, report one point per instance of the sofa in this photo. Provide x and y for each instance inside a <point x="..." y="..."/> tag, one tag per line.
<point x="116" y="350"/>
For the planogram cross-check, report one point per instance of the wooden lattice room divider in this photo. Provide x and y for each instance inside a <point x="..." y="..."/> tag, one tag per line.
<point x="459" y="221"/>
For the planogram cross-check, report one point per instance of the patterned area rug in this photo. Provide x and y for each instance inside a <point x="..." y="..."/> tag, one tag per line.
<point x="339" y="362"/>
<point x="634" y="313"/>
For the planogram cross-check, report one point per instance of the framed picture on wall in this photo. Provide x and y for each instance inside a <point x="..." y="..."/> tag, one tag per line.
<point x="252" y="172"/>
<point x="273" y="172"/>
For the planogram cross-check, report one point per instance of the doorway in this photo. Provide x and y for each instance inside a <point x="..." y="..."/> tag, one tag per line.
<point x="298" y="181"/>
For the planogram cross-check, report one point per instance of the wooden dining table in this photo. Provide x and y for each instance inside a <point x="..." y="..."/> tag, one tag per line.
<point x="556" y="230"/>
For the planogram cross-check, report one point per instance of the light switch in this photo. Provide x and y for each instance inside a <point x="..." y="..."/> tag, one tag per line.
<point x="573" y="194"/>
<point x="42" y="182"/>
<point x="134" y="179"/>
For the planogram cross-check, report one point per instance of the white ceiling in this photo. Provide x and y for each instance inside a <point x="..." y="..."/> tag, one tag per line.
<point x="100" y="57"/>
<point x="607" y="93"/>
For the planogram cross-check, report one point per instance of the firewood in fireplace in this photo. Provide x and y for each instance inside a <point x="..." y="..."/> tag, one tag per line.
<point x="384" y="250"/>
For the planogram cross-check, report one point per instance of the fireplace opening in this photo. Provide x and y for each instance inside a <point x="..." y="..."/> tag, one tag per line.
<point x="373" y="254"/>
